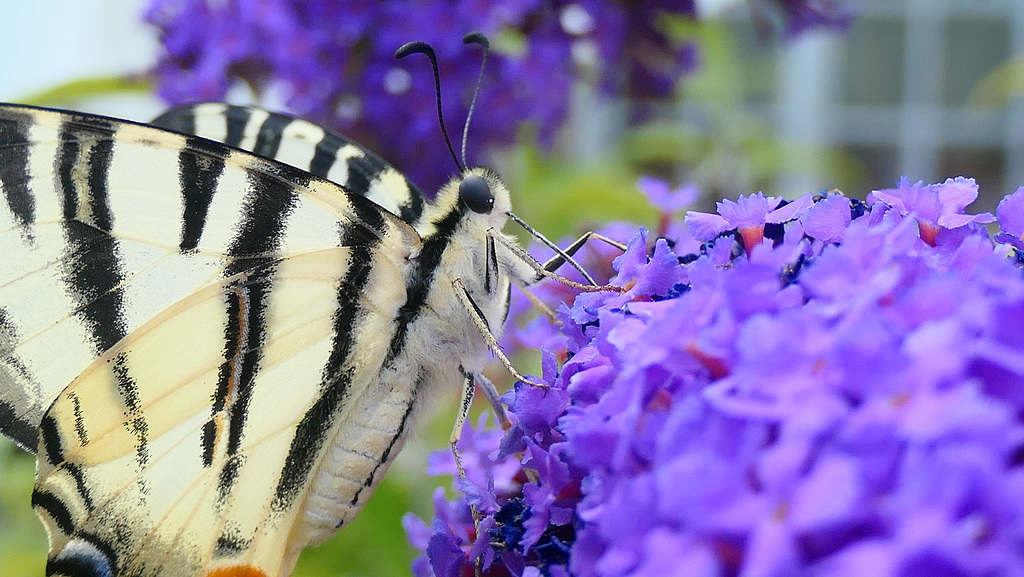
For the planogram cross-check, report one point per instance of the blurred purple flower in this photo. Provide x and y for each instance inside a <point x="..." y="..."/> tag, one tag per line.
<point x="797" y="16"/>
<point x="1010" y="214"/>
<point x="665" y="199"/>
<point x="333" y="61"/>
<point x="801" y="15"/>
<point x="845" y="400"/>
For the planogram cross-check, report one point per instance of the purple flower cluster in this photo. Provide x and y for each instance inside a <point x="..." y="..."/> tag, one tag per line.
<point x="822" y="387"/>
<point x="333" y="62"/>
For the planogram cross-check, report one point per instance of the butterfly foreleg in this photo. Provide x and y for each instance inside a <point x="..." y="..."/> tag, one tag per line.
<point x="469" y="384"/>
<point x="564" y="256"/>
<point x="481" y="324"/>
<point x="541" y="270"/>
<point x="558" y="260"/>
<point x="465" y="403"/>
<point x="494" y="398"/>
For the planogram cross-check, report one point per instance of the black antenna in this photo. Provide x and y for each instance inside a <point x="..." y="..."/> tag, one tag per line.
<point x="474" y="38"/>
<point x="424" y="48"/>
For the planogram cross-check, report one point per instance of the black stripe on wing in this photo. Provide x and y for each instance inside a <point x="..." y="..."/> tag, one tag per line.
<point x="55" y="508"/>
<point x="60" y="510"/>
<point x="92" y="268"/>
<point x="17" y="429"/>
<point x="362" y="171"/>
<point x="198" y="175"/>
<point x="337" y="375"/>
<point x="365" y="170"/>
<point x="267" y="207"/>
<point x="236" y="127"/>
<point x="92" y="261"/>
<point x="14" y="174"/>
<point x="21" y="384"/>
<point x="271" y="132"/>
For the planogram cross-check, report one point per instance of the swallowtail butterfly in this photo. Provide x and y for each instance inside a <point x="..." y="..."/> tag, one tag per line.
<point x="217" y="330"/>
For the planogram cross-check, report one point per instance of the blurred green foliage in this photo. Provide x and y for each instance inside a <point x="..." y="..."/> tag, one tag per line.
<point x="22" y="538"/>
<point x="560" y="196"/>
<point x="85" y="88"/>
<point x="711" y="136"/>
<point x="716" y="138"/>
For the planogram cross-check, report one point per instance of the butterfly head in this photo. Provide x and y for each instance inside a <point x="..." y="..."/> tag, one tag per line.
<point x="479" y="189"/>
<point x="483" y="195"/>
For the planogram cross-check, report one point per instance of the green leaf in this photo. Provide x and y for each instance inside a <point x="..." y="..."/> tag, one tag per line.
<point x="88" y="88"/>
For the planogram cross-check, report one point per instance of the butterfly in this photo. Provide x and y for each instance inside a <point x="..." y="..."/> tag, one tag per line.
<point x="218" y="329"/>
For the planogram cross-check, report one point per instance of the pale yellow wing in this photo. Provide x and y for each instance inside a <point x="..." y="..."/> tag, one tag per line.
<point x="187" y="477"/>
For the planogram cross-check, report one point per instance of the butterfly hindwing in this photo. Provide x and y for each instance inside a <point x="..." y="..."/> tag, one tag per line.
<point x="193" y="479"/>
<point x="179" y="326"/>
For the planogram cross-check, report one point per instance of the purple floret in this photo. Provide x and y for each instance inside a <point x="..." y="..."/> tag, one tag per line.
<point x="1010" y="214"/>
<point x="937" y="208"/>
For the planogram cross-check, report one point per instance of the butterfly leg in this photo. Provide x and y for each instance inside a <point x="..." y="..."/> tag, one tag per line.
<point x="558" y="260"/>
<point x="564" y="256"/>
<point x="468" y="387"/>
<point x="460" y="420"/>
<point x="541" y="271"/>
<point x="494" y="398"/>
<point x="469" y="384"/>
<point x="481" y="325"/>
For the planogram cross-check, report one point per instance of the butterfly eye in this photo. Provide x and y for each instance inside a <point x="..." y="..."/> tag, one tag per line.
<point x="476" y="194"/>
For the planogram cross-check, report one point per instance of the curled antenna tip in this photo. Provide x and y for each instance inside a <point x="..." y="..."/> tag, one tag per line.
<point x="476" y="38"/>
<point x="415" y="47"/>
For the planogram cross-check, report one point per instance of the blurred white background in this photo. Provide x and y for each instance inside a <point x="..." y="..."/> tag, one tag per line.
<point x="45" y="43"/>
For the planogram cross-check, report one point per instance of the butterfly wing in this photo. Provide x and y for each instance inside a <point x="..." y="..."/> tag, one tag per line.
<point x="195" y="469"/>
<point x="302" y="144"/>
<point x="178" y="324"/>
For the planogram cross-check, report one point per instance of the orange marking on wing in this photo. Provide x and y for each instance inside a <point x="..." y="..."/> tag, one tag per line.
<point x="240" y="345"/>
<point x="237" y="571"/>
<point x="219" y="414"/>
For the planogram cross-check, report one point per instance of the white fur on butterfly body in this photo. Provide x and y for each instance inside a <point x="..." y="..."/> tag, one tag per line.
<point x="440" y="342"/>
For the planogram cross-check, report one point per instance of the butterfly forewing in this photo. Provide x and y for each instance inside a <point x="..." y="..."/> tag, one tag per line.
<point x="187" y="206"/>
<point x="197" y="316"/>
<point x="302" y="144"/>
